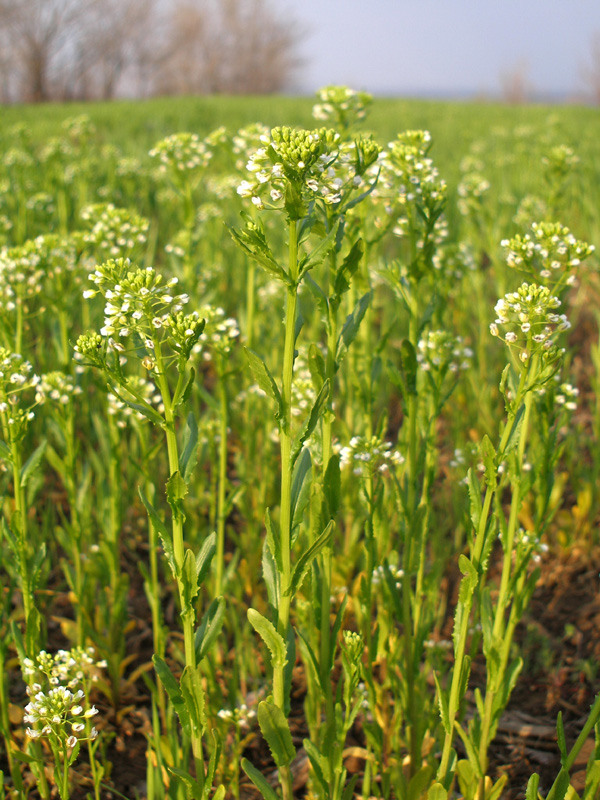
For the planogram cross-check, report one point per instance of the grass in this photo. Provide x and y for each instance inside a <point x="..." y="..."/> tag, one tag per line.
<point x="276" y="497"/>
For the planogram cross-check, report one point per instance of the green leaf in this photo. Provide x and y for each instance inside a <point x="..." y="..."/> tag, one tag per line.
<point x="347" y="268"/>
<point x="316" y="412"/>
<point x="350" y="328"/>
<point x="488" y="453"/>
<point x="419" y="782"/>
<point x="264" y="379"/>
<point x="442" y="704"/>
<point x="270" y="575"/>
<point x="276" y="731"/>
<point x="169" y="681"/>
<point x="318" y="253"/>
<point x="209" y="628"/>
<point x="259" y="780"/>
<point x="270" y="637"/>
<point x="176" y="490"/>
<point x="205" y="556"/>
<point x="31" y="465"/>
<point x="316" y="366"/>
<point x="253" y="241"/>
<point x="194" y="788"/>
<point x="189" y="456"/>
<point x="320" y="765"/>
<point x="319" y="295"/>
<point x="301" y="483"/>
<point x="474" y="499"/>
<point x="437" y="792"/>
<point x="303" y="564"/>
<point x="273" y="540"/>
<point x="192" y="693"/>
<point x="141" y="408"/>
<point x="496" y="790"/>
<point x="561" y="739"/>
<point x="408" y="363"/>
<point x="532" y="787"/>
<point x="332" y="485"/>
<point x="189" y="583"/>
<point x="184" y="392"/>
<point x="161" y="529"/>
<point x="560" y="787"/>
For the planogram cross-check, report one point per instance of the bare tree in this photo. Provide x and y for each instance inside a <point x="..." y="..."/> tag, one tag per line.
<point x="516" y="86"/>
<point x="590" y="70"/>
<point x="229" y="47"/>
<point x="97" y="49"/>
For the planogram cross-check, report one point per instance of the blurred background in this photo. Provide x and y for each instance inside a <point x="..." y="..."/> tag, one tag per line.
<point x="515" y="50"/>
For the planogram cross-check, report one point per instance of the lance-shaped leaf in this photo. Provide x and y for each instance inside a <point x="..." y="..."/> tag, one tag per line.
<point x="32" y="464"/>
<point x="311" y="421"/>
<point x="169" y="681"/>
<point x="205" y="556"/>
<point x="273" y="640"/>
<point x="252" y="240"/>
<point x="184" y="390"/>
<point x="209" y="628"/>
<point x="276" y="731"/>
<point x="318" y="254"/>
<point x="264" y="379"/>
<point x="303" y="564"/>
<point x="176" y="491"/>
<point x="194" y="789"/>
<point x="189" y="456"/>
<point x="140" y="407"/>
<point x="188" y="577"/>
<point x="192" y="693"/>
<point x="161" y="529"/>
<point x="347" y="268"/>
<point x="259" y="780"/>
<point x="350" y="328"/>
<point x="300" y="491"/>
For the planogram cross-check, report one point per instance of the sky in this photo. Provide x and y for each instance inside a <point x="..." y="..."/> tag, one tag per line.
<point x="445" y="47"/>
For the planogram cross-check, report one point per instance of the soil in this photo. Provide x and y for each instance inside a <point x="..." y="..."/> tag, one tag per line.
<point x="558" y="640"/>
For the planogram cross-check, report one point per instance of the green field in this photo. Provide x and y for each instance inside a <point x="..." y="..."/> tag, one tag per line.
<point x="299" y="450"/>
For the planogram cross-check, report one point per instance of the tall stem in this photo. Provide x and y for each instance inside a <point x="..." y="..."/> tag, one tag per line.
<point x="222" y="477"/>
<point x="285" y="520"/>
<point x="177" y="533"/>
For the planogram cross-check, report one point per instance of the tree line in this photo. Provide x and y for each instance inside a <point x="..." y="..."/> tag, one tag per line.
<point x="67" y="50"/>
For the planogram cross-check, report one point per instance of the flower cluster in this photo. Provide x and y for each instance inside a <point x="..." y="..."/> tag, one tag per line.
<point x="529" y="209"/>
<point x="566" y="396"/>
<point x="378" y="575"/>
<point x="138" y="302"/>
<point x="528" y="318"/>
<point x="471" y="190"/>
<point x="407" y="172"/>
<point x="56" y="388"/>
<point x="55" y="712"/>
<point x="16" y="377"/>
<point x="560" y="161"/>
<point x="21" y="274"/>
<point x="440" y="352"/>
<point x="241" y="716"/>
<point x="551" y="252"/>
<point x="341" y="106"/>
<point x="181" y="153"/>
<point x="70" y="667"/>
<point x="369" y="456"/>
<point x="219" y="334"/>
<point x="114" y="231"/>
<point x="313" y="164"/>
<point x="57" y="708"/>
<point x="247" y="140"/>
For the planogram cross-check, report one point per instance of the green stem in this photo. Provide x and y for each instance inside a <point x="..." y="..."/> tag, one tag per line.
<point x="177" y="534"/>
<point x="222" y="478"/>
<point x="478" y="547"/>
<point x="285" y="520"/>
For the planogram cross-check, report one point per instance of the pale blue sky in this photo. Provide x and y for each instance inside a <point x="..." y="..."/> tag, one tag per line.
<point x="444" y="46"/>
